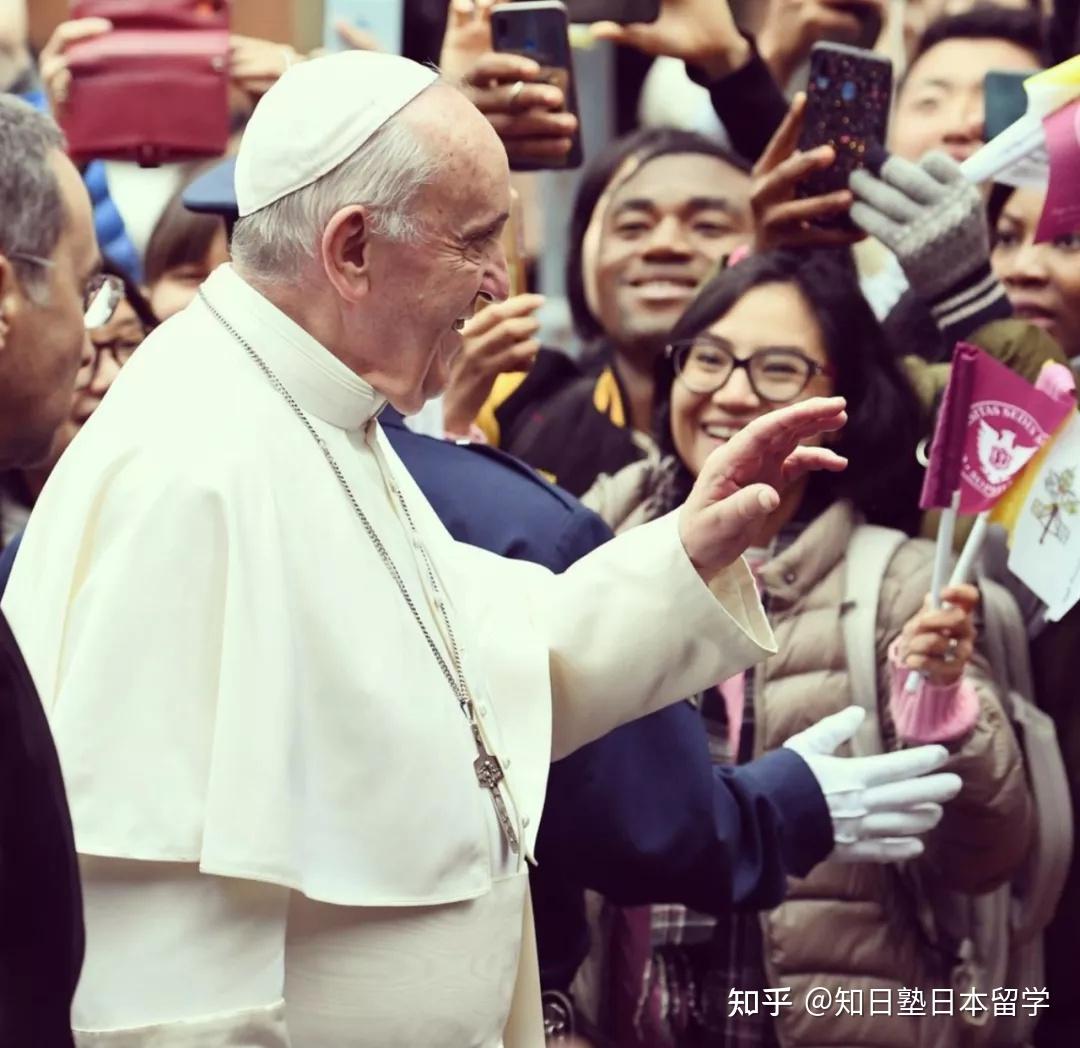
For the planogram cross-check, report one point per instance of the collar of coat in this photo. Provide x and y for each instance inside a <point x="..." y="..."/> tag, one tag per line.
<point x="811" y="556"/>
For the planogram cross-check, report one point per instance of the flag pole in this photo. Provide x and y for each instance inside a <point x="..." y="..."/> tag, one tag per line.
<point x="963" y="570"/>
<point x="942" y="554"/>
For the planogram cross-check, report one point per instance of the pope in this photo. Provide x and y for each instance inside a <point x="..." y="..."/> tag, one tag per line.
<point x="305" y="734"/>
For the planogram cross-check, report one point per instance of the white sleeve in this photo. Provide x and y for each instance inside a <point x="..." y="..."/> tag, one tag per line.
<point x="179" y="959"/>
<point x="631" y="627"/>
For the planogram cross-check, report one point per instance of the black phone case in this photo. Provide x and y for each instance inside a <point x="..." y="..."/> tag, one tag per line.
<point x="543" y="37"/>
<point x="847" y="107"/>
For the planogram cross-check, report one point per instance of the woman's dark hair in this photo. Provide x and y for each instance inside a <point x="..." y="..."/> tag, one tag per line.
<point x="1022" y="26"/>
<point x="134" y="295"/>
<point x="999" y="197"/>
<point x="180" y="238"/>
<point x="884" y="417"/>
<point x="646" y="144"/>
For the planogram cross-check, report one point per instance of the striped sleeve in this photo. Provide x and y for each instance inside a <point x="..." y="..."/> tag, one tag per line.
<point x="970" y="303"/>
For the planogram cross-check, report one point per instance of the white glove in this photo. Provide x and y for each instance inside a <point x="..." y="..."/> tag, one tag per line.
<point x="880" y="805"/>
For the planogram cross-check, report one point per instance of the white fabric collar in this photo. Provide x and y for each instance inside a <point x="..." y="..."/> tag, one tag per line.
<point x="319" y="382"/>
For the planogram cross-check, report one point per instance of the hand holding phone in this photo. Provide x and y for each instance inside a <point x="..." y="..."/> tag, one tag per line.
<point x="847" y="108"/>
<point x="532" y="37"/>
<point x="782" y="217"/>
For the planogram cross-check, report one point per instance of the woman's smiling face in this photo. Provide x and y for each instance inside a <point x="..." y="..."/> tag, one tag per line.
<point x="774" y="316"/>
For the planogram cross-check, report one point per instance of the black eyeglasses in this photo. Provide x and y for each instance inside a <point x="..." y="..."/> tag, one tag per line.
<point x="101" y="295"/>
<point x="777" y="375"/>
<point x="120" y="349"/>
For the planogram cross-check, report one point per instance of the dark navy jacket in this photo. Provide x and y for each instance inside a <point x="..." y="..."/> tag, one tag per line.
<point x="641" y="815"/>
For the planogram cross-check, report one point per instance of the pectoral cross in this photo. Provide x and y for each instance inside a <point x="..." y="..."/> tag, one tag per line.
<point x="489" y="774"/>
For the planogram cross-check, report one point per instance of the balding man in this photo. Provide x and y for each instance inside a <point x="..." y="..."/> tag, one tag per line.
<point x="306" y="734"/>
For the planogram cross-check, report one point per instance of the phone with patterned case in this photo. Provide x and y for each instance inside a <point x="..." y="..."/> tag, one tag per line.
<point x="848" y="97"/>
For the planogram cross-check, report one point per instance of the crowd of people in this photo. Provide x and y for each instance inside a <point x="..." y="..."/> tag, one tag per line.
<point x="289" y="680"/>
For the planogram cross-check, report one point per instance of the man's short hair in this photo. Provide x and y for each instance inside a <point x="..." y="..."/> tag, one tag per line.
<point x="32" y="212"/>
<point x="1022" y="26"/>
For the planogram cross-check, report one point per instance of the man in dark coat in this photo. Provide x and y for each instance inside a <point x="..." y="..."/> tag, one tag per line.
<point x="49" y="263"/>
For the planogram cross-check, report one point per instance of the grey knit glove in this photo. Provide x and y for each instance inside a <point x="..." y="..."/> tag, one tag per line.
<point x="928" y="215"/>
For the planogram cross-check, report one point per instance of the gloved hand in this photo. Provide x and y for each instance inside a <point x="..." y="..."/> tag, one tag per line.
<point x="880" y="805"/>
<point x="930" y="216"/>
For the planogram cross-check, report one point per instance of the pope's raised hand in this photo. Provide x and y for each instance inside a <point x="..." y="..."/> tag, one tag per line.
<point x="742" y="480"/>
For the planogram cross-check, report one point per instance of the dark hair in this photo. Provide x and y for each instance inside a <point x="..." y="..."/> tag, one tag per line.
<point x="1022" y="26"/>
<point x="995" y="204"/>
<point x="180" y="237"/>
<point x="646" y="144"/>
<point x="884" y="416"/>
<point x="134" y="295"/>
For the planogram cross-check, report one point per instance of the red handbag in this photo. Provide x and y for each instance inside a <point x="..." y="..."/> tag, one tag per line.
<point x="155" y="88"/>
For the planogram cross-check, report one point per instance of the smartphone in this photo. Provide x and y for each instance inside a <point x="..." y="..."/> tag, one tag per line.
<point x="626" y="12"/>
<point x="1005" y="100"/>
<point x="847" y="106"/>
<point x="539" y="29"/>
<point x="382" y="19"/>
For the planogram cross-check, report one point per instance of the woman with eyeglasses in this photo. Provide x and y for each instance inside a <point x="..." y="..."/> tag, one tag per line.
<point x="778" y="328"/>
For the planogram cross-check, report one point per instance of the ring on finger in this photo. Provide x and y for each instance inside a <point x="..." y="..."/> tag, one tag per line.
<point x="950" y="654"/>
<point x="515" y="94"/>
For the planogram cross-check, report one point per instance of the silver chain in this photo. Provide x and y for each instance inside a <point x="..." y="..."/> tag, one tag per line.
<point x="457" y="686"/>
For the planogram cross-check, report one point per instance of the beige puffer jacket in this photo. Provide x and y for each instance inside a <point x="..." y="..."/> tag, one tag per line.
<point x="846" y="926"/>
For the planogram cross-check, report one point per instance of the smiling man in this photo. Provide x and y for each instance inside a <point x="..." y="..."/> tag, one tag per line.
<point x="305" y="733"/>
<point x="655" y="214"/>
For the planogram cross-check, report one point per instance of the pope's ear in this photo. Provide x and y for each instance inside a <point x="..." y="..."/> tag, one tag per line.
<point x="346" y="247"/>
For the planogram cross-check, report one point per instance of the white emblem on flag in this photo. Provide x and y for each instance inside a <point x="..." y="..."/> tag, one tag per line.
<point x="999" y="455"/>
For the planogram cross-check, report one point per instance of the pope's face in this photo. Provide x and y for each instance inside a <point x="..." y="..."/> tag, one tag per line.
<point x="432" y="283"/>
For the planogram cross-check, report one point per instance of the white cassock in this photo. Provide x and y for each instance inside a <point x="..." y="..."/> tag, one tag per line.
<point x="282" y="836"/>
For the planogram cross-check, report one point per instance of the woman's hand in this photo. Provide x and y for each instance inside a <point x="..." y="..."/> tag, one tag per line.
<point x="498" y="339"/>
<point x="53" y="64"/>
<point x="939" y="642"/>
<point x="702" y="33"/>
<point x="780" y="218"/>
<point x="792" y="27"/>
<point x="256" y="65"/>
